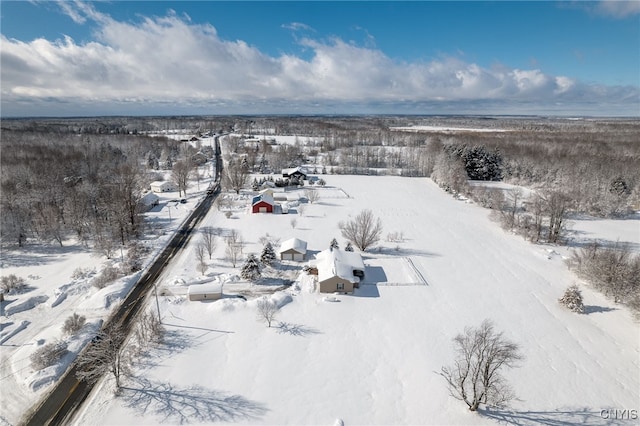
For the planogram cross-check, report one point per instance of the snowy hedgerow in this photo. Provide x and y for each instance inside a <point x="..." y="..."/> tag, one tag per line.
<point x="108" y="274"/>
<point x="268" y="255"/>
<point x="48" y="355"/>
<point x="572" y="299"/>
<point x="251" y="268"/>
<point x="12" y="284"/>
<point x="74" y="323"/>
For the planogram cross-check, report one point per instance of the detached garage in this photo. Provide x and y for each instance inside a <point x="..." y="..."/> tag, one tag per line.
<point x="293" y="249"/>
<point x="211" y="291"/>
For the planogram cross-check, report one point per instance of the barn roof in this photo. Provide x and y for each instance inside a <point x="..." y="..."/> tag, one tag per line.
<point x="263" y="197"/>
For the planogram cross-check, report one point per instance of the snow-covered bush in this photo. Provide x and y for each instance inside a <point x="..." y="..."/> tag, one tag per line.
<point x="81" y="273"/>
<point x="48" y="355"/>
<point x="12" y="284"/>
<point x="74" y="323"/>
<point x="572" y="299"/>
<point x="108" y="274"/>
<point x="133" y="262"/>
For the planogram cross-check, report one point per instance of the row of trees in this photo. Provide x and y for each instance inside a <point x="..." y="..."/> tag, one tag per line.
<point x="54" y="186"/>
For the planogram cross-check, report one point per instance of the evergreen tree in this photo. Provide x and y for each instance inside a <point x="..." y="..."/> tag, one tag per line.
<point x="334" y="244"/>
<point x="349" y="247"/>
<point x="251" y="269"/>
<point x="572" y="299"/>
<point x="268" y="255"/>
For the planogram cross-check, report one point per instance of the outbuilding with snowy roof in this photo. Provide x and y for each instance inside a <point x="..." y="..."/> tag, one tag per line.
<point x="293" y="249"/>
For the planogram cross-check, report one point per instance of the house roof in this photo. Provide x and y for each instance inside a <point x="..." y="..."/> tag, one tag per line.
<point x="332" y="263"/>
<point x="215" y="287"/>
<point x="294" y="244"/>
<point x="149" y="199"/>
<point x="291" y="171"/>
<point x="267" y="198"/>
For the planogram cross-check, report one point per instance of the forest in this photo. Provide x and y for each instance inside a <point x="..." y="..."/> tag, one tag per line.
<point x="83" y="177"/>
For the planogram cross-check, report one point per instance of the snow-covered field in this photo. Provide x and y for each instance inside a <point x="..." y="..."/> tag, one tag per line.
<point x="373" y="357"/>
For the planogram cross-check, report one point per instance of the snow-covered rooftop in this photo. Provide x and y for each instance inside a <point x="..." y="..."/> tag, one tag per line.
<point x="294" y="244"/>
<point x="336" y="262"/>
<point x="209" y="288"/>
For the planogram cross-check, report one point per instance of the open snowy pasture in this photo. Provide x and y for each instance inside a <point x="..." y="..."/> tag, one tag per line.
<point x="374" y="357"/>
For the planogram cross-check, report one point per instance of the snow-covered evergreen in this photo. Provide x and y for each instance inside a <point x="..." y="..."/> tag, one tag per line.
<point x="572" y="299"/>
<point x="251" y="268"/>
<point x="334" y="244"/>
<point x="268" y="255"/>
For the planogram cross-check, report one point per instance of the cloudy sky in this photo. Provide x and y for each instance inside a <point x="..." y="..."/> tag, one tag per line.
<point x="162" y="57"/>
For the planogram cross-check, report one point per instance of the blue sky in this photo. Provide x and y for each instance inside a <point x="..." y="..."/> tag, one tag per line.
<point x="153" y="57"/>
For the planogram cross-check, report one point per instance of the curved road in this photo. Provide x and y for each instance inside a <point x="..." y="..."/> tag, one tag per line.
<point x="69" y="393"/>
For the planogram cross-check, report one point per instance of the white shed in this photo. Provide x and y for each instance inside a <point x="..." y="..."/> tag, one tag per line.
<point x="211" y="291"/>
<point x="293" y="249"/>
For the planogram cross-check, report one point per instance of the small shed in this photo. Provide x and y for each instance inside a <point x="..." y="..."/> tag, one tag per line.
<point x="293" y="249"/>
<point x="149" y="201"/>
<point x="163" y="186"/>
<point x="211" y="291"/>
<point x="262" y="204"/>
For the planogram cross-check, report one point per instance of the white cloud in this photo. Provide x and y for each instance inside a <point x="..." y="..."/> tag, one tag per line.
<point x="171" y="61"/>
<point x="618" y="8"/>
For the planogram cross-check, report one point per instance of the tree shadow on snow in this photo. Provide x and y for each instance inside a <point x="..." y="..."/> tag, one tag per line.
<point x="582" y="416"/>
<point x="195" y="404"/>
<point x="591" y="309"/>
<point x="295" y="329"/>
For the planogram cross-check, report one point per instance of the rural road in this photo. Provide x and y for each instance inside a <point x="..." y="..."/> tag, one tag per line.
<point x="69" y="393"/>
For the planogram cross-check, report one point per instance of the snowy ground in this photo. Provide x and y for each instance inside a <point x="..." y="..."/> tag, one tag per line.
<point x="373" y="358"/>
<point x="35" y="318"/>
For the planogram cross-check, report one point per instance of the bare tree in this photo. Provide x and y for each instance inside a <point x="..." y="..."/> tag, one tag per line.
<point x="74" y="323"/>
<point x="293" y="222"/>
<point x="235" y="177"/>
<point x="180" y="174"/>
<point x="103" y="355"/>
<point x="312" y="195"/>
<point x="557" y="205"/>
<point x="363" y="231"/>
<point x="513" y="198"/>
<point x="480" y="355"/>
<point x="201" y="250"/>
<point x="233" y="249"/>
<point x="209" y="240"/>
<point x="301" y="209"/>
<point x="267" y="309"/>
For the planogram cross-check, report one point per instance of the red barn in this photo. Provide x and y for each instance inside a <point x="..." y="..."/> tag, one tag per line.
<point x="262" y="204"/>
